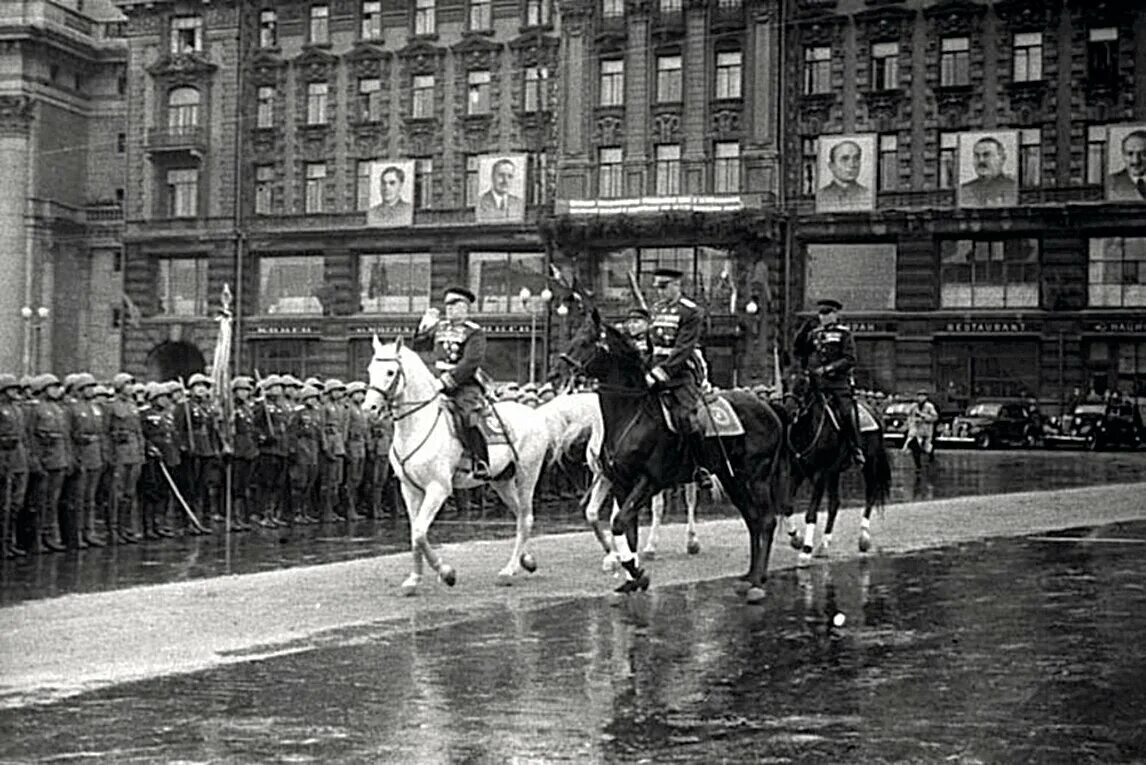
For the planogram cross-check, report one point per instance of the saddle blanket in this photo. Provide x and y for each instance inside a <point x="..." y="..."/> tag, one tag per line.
<point x="868" y="422"/>
<point x="492" y="429"/>
<point x="718" y="418"/>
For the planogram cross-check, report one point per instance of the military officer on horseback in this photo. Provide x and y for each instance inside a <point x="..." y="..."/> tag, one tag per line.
<point x="828" y="352"/>
<point x="459" y="348"/>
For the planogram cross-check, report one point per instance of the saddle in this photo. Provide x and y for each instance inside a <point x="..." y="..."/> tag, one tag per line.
<point x="487" y="423"/>
<point x="715" y="417"/>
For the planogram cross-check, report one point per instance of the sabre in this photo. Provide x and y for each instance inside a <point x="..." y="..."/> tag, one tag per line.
<point x="179" y="496"/>
<point x="636" y="290"/>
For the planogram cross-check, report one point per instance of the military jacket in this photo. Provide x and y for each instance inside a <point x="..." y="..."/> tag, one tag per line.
<point x="28" y="408"/>
<point x="126" y="432"/>
<point x="89" y="429"/>
<point x="834" y="349"/>
<point x="335" y="423"/>
<point x="357" y="431"/>
<point x="162" y="438"/>
<point x="459" y="351"/>
<point x="381" y="434"/>
<point x="246" y="432"/>
<point x="306" y="436"/>
<point x="197" y="423"/>
<point x="674" y="334"/>
<point x="13" y="432"/>
<point x="271" y="420"/>
<point x="52" y="434"/>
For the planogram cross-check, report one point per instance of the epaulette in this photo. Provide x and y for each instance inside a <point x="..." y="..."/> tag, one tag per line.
<point x="472" y="324"/>
<point x="687" y="303"/>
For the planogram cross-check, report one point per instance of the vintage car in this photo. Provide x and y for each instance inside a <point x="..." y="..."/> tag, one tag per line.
<point x="989" y="423"/>
<point x="895" y="421"/>
<point x="1098" y="425"/>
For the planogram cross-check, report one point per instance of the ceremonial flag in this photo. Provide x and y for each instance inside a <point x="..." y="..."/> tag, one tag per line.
<point x="221" y="364"/>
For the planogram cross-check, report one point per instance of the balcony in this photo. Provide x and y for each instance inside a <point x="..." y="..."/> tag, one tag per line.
<point x="425" y="218"/>
<point x="183" y="139"/>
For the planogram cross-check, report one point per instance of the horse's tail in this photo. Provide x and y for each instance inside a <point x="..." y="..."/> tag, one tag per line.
<point x="564" y="430"/>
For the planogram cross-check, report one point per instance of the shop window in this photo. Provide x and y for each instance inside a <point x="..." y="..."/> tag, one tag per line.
<point x="861" y="276"/>
<point x="987" y="367"/>
<point x="875" y="364"/>
<point x="1117" y="273"/>
<point x="394" y="282"/>
<point x="287" y="357"/>
<point x="709" y="275"/>
<point x="1117" y="365"/>
<point x="497" y="278"/>
<point x="182" y="286"/>
<point x="989" y="274"/>
<point x="290" y="285"/>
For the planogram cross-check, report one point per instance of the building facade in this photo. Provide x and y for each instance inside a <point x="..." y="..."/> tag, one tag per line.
<point x="967" y="184"/>
<point x="670" y="157"/>
<point x="338" y="164"/>
<point x="62" y="141"/>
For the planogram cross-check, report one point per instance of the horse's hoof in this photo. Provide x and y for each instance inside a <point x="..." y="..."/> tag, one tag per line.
<point x="754" y="595"/>
<point x="410" y="586"/>
<point x="649" y="554"/>
<point x="609" y="563"/>
<point x="640" y="584"/>
<point x="741" y="586"/>
<point x="865" y="543"/>
<point x="504" y="579"/>
<point x="528" y="562"/>
<point x="447" y="574"/>
<point x="822" y="552"/>
<point x="693" y="547"/>
<point x="804" y="558"/>
<point x="794" y="540"/>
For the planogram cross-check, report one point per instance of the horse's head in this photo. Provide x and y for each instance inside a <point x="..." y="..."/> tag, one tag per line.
<point x="798" y="391"/>
<point x="598" y="349"/>
<point x="387" y="375"/>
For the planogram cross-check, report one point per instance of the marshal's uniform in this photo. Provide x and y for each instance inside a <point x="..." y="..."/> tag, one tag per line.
<point x="829" y="352"/>
<point x="675" y="338"/>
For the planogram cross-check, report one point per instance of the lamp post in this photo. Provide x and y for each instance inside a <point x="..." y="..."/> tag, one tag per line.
<point x="33" y="320"/>
<point x="533" y="305"/>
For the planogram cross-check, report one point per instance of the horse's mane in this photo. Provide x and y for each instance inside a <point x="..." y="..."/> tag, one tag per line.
<point x="624" y="349"/>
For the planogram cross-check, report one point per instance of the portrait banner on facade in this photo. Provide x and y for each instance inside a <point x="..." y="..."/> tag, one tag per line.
<point x="846" y="173"/>
<point x="391" y="189"/>
<point x="1126" y="163"/>
<point x="988" y="163"/>
<point x="501" y="188"/>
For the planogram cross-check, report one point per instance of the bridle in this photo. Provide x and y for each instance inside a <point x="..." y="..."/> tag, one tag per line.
<point x="388" y="393"/>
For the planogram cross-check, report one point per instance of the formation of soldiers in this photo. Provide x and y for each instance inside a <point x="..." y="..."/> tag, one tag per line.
<point x="85" y="464"/>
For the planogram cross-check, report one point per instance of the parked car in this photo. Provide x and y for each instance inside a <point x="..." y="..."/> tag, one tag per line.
<point x="989" y="423"/>
<point x="895" y="421"/>
<point x="1076" y="426"/>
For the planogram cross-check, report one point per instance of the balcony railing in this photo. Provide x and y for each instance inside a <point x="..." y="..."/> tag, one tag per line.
<point x="423" y="218"/>
<point x="946" y="198"/>
<point x="185" y="138"/>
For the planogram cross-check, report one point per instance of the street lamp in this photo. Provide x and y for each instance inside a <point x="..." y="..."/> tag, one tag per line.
<point x="529" y="303"/>
<point x="33" y="319"/>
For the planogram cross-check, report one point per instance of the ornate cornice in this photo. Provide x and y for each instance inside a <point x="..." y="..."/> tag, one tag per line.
<point x="535" y="49"/>
<point x="16" y="115"/>
<point x="420" y="57"/>
<point x="665" y="126"/>
<point x="1029" y="15"/>
<point x="953" y="17"/>
<point x="725" y="123"/>
<point x="182" y="65"/>
<point x="609" y="128"/>
<point x="266" y="68"/>
<point x="315" y="65"/>
<point x="886" y="23"/>
<point x="475" y="52"/>
<point x="820" y="30"/>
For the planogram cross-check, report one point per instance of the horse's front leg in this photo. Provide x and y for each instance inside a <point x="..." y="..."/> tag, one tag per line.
<point x="433" y="497"/>
<point x="658" y="511"/>
<point x="623" y="522"/>
<point x="693" y="544"/>
<point x="810" y="516"/>
<point x="833" y="511"/>
<point x="413" y="499"/>
<point x="761" y="554"/>
<point x="598" y="495"/>
<point x="518" y="497"/>
<point x="789" y="510"/>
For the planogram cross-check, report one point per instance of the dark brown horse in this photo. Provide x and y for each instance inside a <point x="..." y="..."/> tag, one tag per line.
<point x="642" y="456"/>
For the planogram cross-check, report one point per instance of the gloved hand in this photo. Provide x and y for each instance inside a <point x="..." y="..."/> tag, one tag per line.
<point x="439" y="385"/>
<point x="429" y="319"/>
<point x="650" y="380"/>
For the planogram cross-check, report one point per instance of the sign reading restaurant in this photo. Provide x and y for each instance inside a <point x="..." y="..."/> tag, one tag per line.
<point x="987" y="327"/>
<point x="1117" y="327"/>
<point x="390" y="330"/>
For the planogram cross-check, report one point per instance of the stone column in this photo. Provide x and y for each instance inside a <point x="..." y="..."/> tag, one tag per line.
<point x="16" y="234"/>
<point x="637" y="99"/>
<point x="697" y="64"/>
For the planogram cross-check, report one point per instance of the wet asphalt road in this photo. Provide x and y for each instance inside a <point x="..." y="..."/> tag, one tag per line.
<point x="1007" y="650"/>
<point x="958" y="473"/>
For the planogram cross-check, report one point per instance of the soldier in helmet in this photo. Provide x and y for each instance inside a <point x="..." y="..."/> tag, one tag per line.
<point x="246" y="451"/>
<point x="88" y="429"/>
<point x="357" y="434"/>
<point x="162" y="451"/>
<point x="271" y="419"/>
<point x="126" y="431"/>
<point x="306" y="448"/>
<point x="336" y="421"/>
<point x="13" y="464"/>
<point x="197" y="422"/>
<point x="378" y="459"/>
<point x="51" y="432"/>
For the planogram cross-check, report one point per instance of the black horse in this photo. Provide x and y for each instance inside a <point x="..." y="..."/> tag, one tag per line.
<point x="819" y="454"/>
<point x="641" y="456"/>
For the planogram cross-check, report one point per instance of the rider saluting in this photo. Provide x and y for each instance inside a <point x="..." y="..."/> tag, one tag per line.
<point x="459" y="351"/>
<point x="828" y="351"/>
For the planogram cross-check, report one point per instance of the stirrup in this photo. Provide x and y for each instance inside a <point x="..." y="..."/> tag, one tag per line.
<point x="479" y="470"/>
<point x="702" y="477"/>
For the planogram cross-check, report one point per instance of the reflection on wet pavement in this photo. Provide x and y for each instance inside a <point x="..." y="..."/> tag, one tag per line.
<point x="958" y="473"/>
<point x="999" y="651"/>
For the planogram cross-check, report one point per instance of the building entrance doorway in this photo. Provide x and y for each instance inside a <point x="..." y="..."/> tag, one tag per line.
<point x="174" y="361"/>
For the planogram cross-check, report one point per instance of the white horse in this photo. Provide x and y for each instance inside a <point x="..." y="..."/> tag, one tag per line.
<point x="426" y="455"/>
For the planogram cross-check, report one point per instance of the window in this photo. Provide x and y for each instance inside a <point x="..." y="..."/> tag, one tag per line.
<point x="316" y="103"/>
<point x="315" y="187"/>
<point x="120" y="143"/>
<point x="649" y="259"/>
<point x="667" y="170"/>
<point x="370" y="99"/>
<point x="478" y="93"/>
<point x="186" y="34"/>
<point x="319" y="24"/>
<point x="472" y="170"/>
<point x="808" y="162"/>
<point x="948" y="153"/>
<point x="729" y="68"/>
<point x="885" y="66"/>
<point x="669" y="6"/>
<point x="268" y="28"/>
<point x="726" y="175"/>
<point x="536" y="83"/>
<point x="394" y="282"/>
<point x="612" y="82"/>
<point x="537" y="179"/>
<point x="265" y="109"/>
<point x="537" y="13"/>
<point x="425" y="22"/>
<point x="861" y="274"/>
<point x="182" y="109"/>
<point x="817" y="70"/>
<point x="289" y="285"/>
<point x="372" y="19"/>
<point x="298" y="357"/>
<point x="668" y="79"/>
<point x="182" y="193"/>
<point x="423" y="183"/>
<point x="954" y="61"/>
<point x="1102" y="56"/>
<point x="610" y="181"/>
<point x="481" y="15"/>
<point x="1095" y="154"/>
<point x="183" y="286"/>
<point x="1028" y="64"/>
<point x="613" y="9"/>
<point x="888" y="169"/>
<point x="362" y="184"/>
<point x="989" y="274"/>
<point x="264" y="189"/>
<point x="1030" y="158"/>
<point x="423" y="96"/>
<point x="1117" y="275"/>
<point x="499" y="276"/>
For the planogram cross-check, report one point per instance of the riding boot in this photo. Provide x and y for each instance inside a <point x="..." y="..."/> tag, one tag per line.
<point x="480" y="454"/>
<point x="849" y="422"/>
<point x="700" y="474"/>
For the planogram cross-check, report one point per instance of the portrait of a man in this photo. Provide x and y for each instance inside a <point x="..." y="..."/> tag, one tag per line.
<point x="502" y="179"/>
<point x="389" y="194"/>
<point x="1126" y="163"/>
<point x="987" y="176"/>
<point x="846" y="166"/>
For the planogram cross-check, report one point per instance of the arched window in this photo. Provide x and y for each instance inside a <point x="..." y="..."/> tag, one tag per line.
<point x="183" y="109"/>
